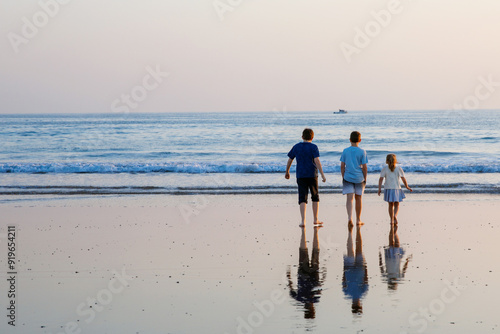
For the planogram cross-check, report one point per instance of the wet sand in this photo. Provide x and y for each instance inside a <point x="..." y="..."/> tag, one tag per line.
<point x="238" y="264"/>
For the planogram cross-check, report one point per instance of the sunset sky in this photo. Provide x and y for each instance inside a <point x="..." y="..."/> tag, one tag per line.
<point x="230" y="55"/>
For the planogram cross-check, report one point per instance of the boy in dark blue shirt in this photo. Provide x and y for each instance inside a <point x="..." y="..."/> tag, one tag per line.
<point x="308" y="164"/>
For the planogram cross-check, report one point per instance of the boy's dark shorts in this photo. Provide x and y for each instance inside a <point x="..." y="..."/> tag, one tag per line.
<point x="305" y="184"/>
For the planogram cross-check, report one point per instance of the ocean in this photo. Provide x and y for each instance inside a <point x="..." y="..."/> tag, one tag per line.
<point x="240" y="153"/>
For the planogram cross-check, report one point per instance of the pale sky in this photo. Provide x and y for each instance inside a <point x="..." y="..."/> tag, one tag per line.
<point x="248" y="55"/>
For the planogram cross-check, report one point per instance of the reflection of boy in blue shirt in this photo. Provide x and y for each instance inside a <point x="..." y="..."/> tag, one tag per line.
<point x="355" y="278"/>
<point x="308" y="164"/>
<point x="354" y="171"/>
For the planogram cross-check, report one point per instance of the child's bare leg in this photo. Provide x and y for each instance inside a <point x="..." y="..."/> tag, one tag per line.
<point x="391" y="236"/>
<point x="359" y="206"/>
<point x="303" y="207"/>
<point x="359" y="241"/>
<point x="391" y="212"/>
<point x="303" y="244"/>
<point x="396" y="210"/>
<point x="315" y="239"/>
<point x="350" y="245"/>
<point x="315" y="213"/>
<point x="348" y="205"/>
<point x="396" y="237"/>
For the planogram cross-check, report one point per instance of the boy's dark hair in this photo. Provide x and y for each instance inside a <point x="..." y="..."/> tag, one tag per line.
<point x="355" y="137"/>
<point x="308" y="134"/>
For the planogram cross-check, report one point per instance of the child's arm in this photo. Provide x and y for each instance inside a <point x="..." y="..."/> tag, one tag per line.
<point x="342" y="169"/>
<point x="380" y="185"/>
<point x="364" y="168"/>
<point x="406" y="184"/>
<point x="288" y="165"/>
<point x="320" y="168"/>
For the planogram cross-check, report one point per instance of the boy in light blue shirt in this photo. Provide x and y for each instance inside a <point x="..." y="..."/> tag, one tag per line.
<point x="354" y="172"/>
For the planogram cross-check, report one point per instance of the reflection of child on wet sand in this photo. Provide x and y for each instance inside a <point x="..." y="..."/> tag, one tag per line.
<point x="393" y="255"/>
<point x="308" y="281"/>
<point x="355" y="278"/>
<point x="308" y="164"/>
<point x="393" y="194"/>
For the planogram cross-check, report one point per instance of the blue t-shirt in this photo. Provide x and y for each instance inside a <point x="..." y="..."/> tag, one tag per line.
<point x="354" y="157"/>
<point x="305" y="153"/>
<point x="355" y="284"/>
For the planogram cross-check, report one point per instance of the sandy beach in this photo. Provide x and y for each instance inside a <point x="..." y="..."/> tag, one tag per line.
<point x="219" y="264"/>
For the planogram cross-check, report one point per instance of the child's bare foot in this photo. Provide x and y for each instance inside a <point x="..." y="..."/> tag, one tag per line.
<point x="395" y="221"/>
<point x="359" y="223"/>
<point x="318" y="223"/>
<point x="302" y="225"/>
<point x="349" y="223"/>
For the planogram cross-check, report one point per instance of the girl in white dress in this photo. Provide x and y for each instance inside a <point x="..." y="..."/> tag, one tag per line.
<point x="393" y="194"/>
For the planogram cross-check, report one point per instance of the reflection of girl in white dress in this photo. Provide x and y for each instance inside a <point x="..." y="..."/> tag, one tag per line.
<point x="395" y="268"/>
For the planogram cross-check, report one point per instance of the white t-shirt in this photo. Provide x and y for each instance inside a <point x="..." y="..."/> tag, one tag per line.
<point x="392" y="178"/>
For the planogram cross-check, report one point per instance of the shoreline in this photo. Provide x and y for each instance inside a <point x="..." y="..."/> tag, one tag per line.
<point x="288" y="198"/>
<point x="234" y="184"/>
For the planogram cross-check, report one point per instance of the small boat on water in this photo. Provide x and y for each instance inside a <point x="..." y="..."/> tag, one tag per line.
<point x="341" y="111"/>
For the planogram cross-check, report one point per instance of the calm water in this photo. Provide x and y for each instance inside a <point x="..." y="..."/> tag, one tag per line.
<point x="239" y="152"/>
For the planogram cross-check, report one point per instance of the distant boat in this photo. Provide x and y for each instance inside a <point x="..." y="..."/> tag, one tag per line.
<point x="341" y="111"/>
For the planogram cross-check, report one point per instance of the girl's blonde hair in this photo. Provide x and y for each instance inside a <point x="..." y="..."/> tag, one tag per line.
<point x="391" y="161"/>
